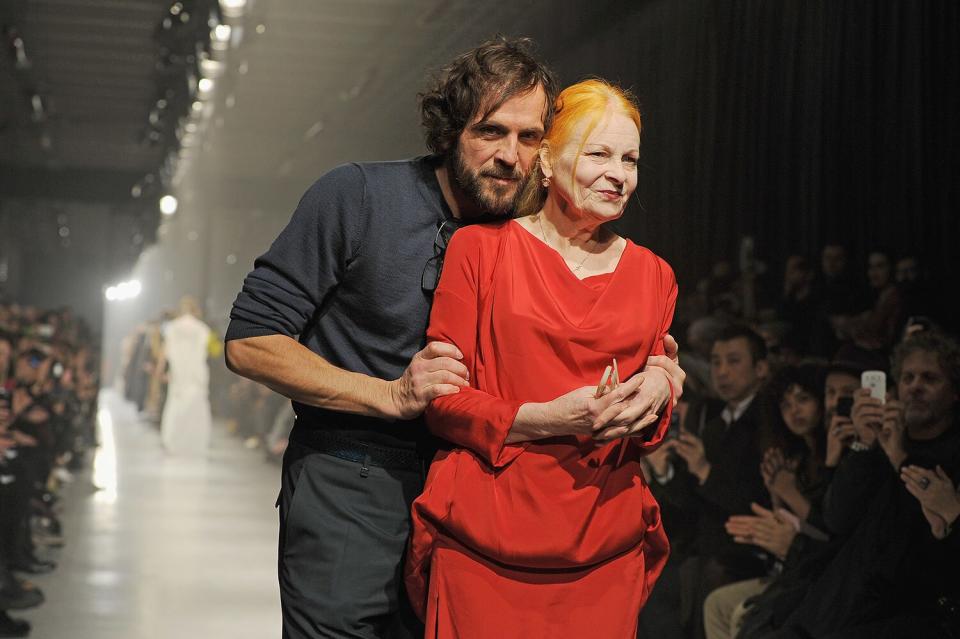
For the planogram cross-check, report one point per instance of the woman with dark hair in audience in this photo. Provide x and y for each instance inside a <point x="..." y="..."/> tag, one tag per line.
<point x="793" y="439"/>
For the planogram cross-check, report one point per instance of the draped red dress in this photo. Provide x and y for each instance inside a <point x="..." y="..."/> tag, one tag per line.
<point x="552" y="538"/>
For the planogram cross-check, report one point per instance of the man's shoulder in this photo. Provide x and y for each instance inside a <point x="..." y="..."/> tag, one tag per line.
<point x="387" y="172"/>
<point x="382" y="172"/>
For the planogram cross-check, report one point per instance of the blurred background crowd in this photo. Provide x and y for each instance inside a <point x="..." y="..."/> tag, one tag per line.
<point x="49" y="385"/>
<point x="794" y="501"/>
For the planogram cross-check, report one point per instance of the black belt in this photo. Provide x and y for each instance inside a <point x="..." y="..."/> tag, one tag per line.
<point x="361" y="452"/>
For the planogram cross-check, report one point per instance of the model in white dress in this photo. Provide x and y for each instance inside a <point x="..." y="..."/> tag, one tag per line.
<point x="186" y="423"/>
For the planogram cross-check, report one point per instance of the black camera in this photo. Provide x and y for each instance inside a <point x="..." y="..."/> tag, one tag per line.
<point x="844" y="406"/>
<point x="673" y="431"/>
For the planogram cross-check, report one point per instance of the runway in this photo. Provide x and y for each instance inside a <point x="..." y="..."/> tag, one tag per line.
<point x="166" y="548"/>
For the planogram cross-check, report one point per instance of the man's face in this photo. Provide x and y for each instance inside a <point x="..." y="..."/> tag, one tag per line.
<point x="908" y="270"/>
<point x="735" y="375"/>
<point x="833" y="260"/>
<point x="878" y="270"/>
<point x="838" y="384"/>
<point x="494" y="154"/>
<point x="924" y="390"/>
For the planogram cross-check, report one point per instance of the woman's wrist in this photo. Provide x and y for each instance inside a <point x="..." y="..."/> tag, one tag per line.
<point x="531" y="423"/>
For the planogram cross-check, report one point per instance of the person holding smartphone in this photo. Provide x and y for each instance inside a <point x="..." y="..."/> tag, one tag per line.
<point x="841" y="382"/>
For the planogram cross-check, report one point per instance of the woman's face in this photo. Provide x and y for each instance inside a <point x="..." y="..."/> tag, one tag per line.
<point x="800" y="411"/>
<point x="597" y="180"/>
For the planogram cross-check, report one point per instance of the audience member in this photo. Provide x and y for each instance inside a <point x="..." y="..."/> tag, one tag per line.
<point x="715" y="473"/>
<point x="894" y="574"/>
<point x="793" y="471"/>
<point x="48" y="389"/>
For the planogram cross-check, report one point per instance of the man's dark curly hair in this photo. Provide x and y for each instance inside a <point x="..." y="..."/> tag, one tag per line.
<point x="482" y="78"/>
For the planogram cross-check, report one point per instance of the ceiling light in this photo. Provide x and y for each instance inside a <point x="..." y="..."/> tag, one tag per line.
<point x="168" y="205"/>
<point x="221" y="33"/>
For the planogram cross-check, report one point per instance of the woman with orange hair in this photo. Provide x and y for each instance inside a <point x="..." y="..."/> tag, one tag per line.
<point x="538" y="522"/>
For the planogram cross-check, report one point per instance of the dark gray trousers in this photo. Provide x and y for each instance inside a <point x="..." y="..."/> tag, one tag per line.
<point x="343" y="535"/>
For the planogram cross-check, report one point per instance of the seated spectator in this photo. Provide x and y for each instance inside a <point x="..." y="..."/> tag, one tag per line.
<point x="713" y="474"/>
<point x="794" y="474"/>
<point x="878" y="327"/>
<point x="894" y="574"/>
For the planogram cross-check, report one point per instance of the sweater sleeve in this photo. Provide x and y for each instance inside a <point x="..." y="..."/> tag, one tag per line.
<point x="304" y="264"/>
<point x="853" y="487"/>
<point x="471" y="418"/>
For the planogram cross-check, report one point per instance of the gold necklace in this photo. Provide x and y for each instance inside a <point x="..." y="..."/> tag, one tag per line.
<point x="576" y="268"/>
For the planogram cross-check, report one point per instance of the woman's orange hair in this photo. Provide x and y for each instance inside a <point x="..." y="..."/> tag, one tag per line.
<point x="584" y="102"/>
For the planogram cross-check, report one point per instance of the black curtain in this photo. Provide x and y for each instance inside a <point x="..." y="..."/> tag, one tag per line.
<point x="795" y="122"/>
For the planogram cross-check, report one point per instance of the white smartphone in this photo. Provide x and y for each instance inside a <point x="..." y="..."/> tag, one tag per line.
<point x="876" y="381"/>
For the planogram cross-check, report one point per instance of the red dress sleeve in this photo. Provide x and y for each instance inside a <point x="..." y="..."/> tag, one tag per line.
<point x="668" y="287"/>
<point x="471" y="418"/>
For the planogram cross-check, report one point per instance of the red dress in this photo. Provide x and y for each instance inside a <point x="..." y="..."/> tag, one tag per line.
<point x="553" y="538"/>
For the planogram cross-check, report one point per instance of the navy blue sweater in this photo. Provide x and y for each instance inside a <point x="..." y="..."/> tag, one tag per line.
<point x="344" y="277"/>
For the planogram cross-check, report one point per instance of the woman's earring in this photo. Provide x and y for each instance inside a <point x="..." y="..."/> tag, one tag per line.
<point x="545" y="182"/>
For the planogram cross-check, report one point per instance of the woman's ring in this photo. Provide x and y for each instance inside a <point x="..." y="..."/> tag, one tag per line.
<point x="924" y="483"/>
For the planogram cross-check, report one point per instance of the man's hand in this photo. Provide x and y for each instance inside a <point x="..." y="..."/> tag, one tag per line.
<point x="690" y="448"/>
<point x="22" y="439"/>
<point x="867" y="416"/>
<point x="670" y="363"/>
<point x="765" y="529"/>
<point x="840" y="435"/>
<point x="638" y="411"/>
<point x="891" y="435"/>
<point x="659" y="459"/>
<point x="937" y="496"/>
<point x="433" y="372"/>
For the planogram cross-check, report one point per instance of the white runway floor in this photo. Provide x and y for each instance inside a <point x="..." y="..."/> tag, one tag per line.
<point x="167" y="548"/>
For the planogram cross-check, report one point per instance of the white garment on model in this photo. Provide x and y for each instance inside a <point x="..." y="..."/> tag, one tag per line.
<point x="185" y="428"/>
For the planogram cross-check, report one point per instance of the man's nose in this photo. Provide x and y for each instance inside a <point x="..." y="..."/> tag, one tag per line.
<point x="507" y="151"/>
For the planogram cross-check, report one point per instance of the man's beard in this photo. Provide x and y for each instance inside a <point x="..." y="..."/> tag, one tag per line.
<point x="918" y="413"/>
<point x="491" y="199"/>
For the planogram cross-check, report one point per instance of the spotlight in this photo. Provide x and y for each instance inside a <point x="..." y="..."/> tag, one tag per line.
<point x="205" y="85"/>
<point x="168" y="205"/>
<point x="233" y="8"/>
<point x="123" y="291"/>
<point x="221" y="33"/>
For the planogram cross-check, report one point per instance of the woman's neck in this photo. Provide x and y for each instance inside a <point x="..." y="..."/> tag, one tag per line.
<point x="564" y="229"/>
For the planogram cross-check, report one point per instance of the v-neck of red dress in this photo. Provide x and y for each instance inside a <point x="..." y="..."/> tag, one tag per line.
<point x="554" y="269"/>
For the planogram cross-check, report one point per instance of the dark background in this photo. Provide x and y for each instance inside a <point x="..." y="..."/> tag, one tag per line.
<point x="792" y="122"/>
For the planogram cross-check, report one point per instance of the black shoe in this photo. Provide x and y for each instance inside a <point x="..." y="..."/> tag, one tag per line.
<point x="16" y="594"/>
<point x="10" y="627"/>
<point x="32" y="566"/>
